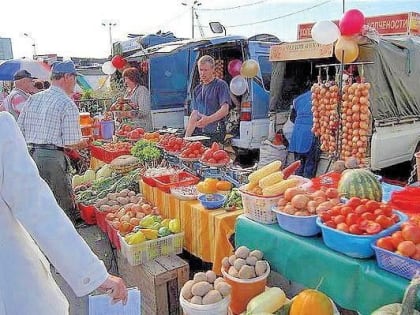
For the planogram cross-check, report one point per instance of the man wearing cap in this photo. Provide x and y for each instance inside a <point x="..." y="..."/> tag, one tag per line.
<point x="24" y="87"/>
<point x="49" y="122"/>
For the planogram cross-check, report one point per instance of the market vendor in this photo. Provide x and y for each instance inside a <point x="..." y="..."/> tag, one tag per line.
<point x="139" y="97"/>
<point x="210" y="103"/>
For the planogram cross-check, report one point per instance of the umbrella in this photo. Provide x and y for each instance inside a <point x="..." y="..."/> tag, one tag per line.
<point x="38" y="69"/>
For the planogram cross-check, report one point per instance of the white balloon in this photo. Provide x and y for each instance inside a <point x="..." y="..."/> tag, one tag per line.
<point x="238" y="85"/>
<point x="108" y="68"/>
<point x="325" y="32"/>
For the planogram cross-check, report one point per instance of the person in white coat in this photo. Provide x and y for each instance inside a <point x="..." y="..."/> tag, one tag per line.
<point x="33" y="225"/>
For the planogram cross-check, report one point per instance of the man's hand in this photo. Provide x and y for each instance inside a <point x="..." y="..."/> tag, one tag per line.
<point x="116" y="289"/>
<point x="203" y="121"/>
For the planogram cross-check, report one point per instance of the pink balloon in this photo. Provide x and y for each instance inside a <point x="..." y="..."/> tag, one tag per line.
<point x="351" y="22"/>
<point x="234" y="67"/>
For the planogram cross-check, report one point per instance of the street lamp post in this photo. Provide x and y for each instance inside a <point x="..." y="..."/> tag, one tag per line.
<point x="110" y="24"/>
<point x="194" y="6"/>
<point x="33" y="44"/>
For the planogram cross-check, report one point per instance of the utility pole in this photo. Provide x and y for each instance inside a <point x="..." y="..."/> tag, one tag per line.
<point x="194" y="6"/>
<point x="110" y="24"/>
<point x="33" y="44"/>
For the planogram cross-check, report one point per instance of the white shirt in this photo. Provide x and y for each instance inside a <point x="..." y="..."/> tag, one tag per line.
<point x="28" y="208"/>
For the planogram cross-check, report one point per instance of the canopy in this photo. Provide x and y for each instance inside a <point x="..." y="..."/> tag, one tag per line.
<point x="38" y="69"/>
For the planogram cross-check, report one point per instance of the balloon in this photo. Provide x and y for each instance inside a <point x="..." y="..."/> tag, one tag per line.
<point x="234" y="67"/>
<point x="325" y="32"/>
<point x="108" y="68"/>
<point x="349" y="47"/>
<point x="351" y="22"/>
<point x="250" y="68"/>
<point x="118" y="62"/>
<point x="238" y="85"/>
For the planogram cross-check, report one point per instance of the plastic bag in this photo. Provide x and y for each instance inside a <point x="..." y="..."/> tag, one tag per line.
<point x="270" y="152"/>
<point x="288" y="129"/>
<point x="406" y="200"/>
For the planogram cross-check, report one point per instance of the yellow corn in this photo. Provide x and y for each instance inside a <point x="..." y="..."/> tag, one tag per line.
<point x="280" y="188"/>
<point x="264" y="171"/>
<point x="271" y="179"/>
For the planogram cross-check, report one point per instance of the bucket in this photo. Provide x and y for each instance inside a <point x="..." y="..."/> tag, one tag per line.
<point x="107" y="129"/>
<point x="417" y="155"/>
<point x="219" y="308"/>
<point x="243" y="290"/>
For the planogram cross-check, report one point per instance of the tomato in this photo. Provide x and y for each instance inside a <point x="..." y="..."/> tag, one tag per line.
<point x="355" y="229"/>
<point x="339" y="219"/>
<point x="416" y="255"/>
<point x="353" y="202"/>
<point x="378" y="212"/>
<point x="411" y="233"/>
<point x="215" y="146"/>
<point x="346" y="210"/>
<point x="397" y="238"/>
<point x="360" y="209"/>
<point x="384" y="221"/>
<point x="352" y="218"/>
<point x="373" y="228"/>
<point x="208" y="154"/>
<point x="386" y="209"/>
<point x="330" y="224"/>
<point x="325" y="216"/>
<point x="372" y="205"/>
<point x="342" y="227"/>
<point x="395" y="217"/>
<point x="212" y="161"/>
<point x="219" y="155"/>
<point x="386" y="243"/>
<point x="367" y="215"/>
<point x="407" y="248"/>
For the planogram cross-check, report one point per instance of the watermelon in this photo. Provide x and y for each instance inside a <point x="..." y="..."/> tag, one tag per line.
<point x="360" y="183"/>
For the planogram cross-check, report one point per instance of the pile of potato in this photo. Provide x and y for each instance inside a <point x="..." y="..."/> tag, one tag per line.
<point x="245" y="264"/>
<point x="118" y="199"/>
<point x="205" y="288"/>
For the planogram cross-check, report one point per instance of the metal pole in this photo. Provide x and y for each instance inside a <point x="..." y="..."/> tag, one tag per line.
<point x="192" y="21"/>
<point x="344" y="6"/>
<point x="110" y="37"/>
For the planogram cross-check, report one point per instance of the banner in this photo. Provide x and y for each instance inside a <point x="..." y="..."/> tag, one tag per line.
<point x="305" y="49"/>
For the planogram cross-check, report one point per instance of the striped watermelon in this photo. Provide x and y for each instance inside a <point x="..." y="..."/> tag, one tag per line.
<point x="360" y="183"/>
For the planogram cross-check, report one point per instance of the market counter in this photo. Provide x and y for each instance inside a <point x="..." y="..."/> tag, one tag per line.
<point x="355" y="284"/>
<point x="206" y="232"/>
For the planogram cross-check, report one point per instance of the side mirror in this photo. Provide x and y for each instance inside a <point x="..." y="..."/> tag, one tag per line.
<point x="217" y="27"/>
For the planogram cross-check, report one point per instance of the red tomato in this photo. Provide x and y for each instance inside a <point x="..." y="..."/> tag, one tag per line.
<point x="372" y="205"/>
<point x="397" y="238"/>
<point x="352" y="218"/>
<point x="360" y="209"/>
<point x="342" y="227"/>
<point x="386" y="243"/>
<point x="367" y="215"/>
<point x="354" y="229"/>
<point x="373" y="228"/>
<point x="339" y="219"/>
<point x="330" y="224"/>
<point x="208" y="154"/>
<point x="215" y="146"/>
<point x="407" y="248"/>
<point x="212" y="161"/>
<point x="219" y="155"/>
<point x="346" y="210"/>
<point x="387" y="210"/>
<point x="395" y="217"/>
<point x="411" y="233"/>
<point x="325" y="216"/>
<point x="384" y="221"/>
<point x="378" y="212"/>
<point x="353" y="202"/>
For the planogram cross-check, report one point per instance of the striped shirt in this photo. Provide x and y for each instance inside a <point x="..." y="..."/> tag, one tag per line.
<point x="50" y="117"/>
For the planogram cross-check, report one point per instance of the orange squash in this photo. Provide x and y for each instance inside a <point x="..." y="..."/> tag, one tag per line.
<point x="311" y="302"/>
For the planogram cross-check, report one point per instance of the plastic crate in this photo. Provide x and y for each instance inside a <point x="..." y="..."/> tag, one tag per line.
<point x="140" y="253"/>
<point x="113" y="235"/>
<point x="357" y="246"/>
<point x="166" y="182"/>
<point x="106" y="156"/>
<point x="258" y="208"/>
<point x="87" y="213"/>
<point x="149" y="180"/>
<point x="100" y="219"/>
<point x="299" y="225"/>
<point x="403" y="266"/>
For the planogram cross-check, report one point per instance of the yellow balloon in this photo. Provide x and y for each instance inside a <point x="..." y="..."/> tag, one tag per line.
<point x="249" y="68"/>
<point x="346" y="49"/>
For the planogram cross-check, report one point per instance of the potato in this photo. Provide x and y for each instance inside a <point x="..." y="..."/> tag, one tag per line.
<point x="251" y="260"/>
<point x="217" y="281"/>
<point x="224" y="288"/>
<point x="225" y="263"/>
<point x="186" y="289"/>
<point x="256" y="253"/>
<point x="239" y="262"/>
<point x="200" y="276"/>
<point x="246" y="272"/>
<point x="197" y="300"/>
<point x="211" y="276"/>
<point x="242" y="252"/>
<point x="232" y="259"/>
<point x="131" y="193"/>
<point x="260" y="267"/>
<point x="201" y="288"/>
<point x="213" y="296"/>
<point x="233" y="272"/>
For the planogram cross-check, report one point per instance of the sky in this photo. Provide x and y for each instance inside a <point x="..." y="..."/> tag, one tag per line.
<point x="74" y="28"/>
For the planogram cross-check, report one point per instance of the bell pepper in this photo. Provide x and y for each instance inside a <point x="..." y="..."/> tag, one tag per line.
<point x="175" y="225"/>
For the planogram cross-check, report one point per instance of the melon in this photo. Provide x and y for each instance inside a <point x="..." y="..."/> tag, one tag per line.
<point x="360" y="183"/>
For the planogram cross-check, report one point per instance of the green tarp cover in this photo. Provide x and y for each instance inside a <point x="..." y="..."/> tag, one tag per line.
<point x="355" y="284"/>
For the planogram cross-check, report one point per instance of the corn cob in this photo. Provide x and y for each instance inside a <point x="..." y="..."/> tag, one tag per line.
<point x="271" y="179"/>
<point x="264" y="171"/>
<point x="280" y="188"/>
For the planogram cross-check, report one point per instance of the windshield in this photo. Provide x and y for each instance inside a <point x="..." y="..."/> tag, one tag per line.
<point x="265" y="67"/>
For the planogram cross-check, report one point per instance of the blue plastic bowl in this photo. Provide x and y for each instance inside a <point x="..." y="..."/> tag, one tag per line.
<point x="212" y="201"/>
<point x="357" y="246"/>
<point x="299" y="225"/>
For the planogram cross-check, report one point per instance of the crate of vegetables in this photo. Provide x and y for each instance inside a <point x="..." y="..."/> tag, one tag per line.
<point x="107" y="152"/>
<point x="166" y="182"/>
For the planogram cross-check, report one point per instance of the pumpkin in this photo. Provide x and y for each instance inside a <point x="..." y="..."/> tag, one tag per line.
<point x="311" y="302"/>
<point x="360" y="183"/>
<point x="408" y="304"/>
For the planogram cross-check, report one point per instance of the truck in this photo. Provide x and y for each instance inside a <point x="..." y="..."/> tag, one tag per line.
<point x="173" y="74"/>
<point x="390" y="64"/>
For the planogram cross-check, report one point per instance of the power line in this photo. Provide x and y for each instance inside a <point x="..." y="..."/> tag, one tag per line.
<point x="169" y="20"/>
<point x="282" y="16"/>
<point x="237" y="7"/>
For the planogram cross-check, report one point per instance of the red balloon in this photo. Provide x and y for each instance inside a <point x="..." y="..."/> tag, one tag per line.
<point x="118" y="62"/>
<point x="234" y="67"/>
<point x="351" y="22"/>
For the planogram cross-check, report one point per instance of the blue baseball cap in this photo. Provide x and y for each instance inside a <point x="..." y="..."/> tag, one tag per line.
<point x="63" y="67"/>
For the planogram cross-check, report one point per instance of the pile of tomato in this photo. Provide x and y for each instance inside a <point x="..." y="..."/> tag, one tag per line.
<point x="116" y="146"/>
<point x="192" y="150"/>
<point x="215" y="155"/>
<point x="360" y="217"/>
<point x="171" y="143"/>
<point x="404" y="242"/>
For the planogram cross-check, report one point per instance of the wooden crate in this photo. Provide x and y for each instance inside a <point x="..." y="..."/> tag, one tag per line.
<point x="159" y="280"/>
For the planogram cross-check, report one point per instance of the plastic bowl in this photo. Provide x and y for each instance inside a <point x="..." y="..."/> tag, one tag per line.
<point x="357" y="246"/>
<point x="212" y="201"/>
<point x="299" y="225"/>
